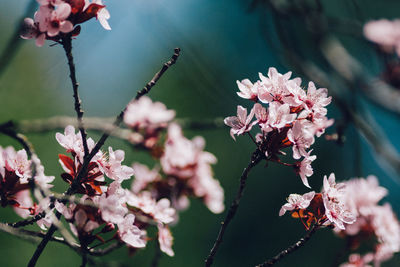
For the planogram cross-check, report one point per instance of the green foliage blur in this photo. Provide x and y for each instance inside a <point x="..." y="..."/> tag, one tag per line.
<point x="221" y="42"/>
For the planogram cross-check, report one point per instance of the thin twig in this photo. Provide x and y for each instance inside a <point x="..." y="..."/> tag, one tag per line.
<point x="257" y="156"/>
<point x="290" y="249"/>
<point x="28" y="221"/>
<point x="67" y="45"/>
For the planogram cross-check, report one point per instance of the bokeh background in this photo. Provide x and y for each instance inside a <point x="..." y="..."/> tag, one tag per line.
<point x="221" y="42"/>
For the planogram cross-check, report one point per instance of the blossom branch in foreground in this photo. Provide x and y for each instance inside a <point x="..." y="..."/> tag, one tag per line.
<point x="67" y="45"/>
<point x="76" y="182"/>
<point x="255" y="159"/>
<point x="290" y="249"/>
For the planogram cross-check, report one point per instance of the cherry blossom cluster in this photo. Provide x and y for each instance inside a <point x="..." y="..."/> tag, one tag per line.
<point x="321" y="209"/>
<point x="385" y="33"/>
<point x="375" y="225"/>
<point x="56" y="18"/>
<point x="15" y="175"/>
<point x="184" y="169"/>
<point x="292" y="118"/>
<point x="105" y="207"/>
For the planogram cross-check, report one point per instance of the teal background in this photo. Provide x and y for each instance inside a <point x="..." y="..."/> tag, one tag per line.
<point x="221" y="42"/>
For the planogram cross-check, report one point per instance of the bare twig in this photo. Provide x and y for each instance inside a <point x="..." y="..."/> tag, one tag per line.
<point x="67" y="45"/>
<point x="290" y="249"/>
<point x="255" y="159"/>
<point x="28" y="221"/>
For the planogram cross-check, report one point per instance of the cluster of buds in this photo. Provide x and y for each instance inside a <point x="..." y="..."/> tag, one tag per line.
<point x="375" y="225"/>
<point x="55" y="18"/>
<point x="185" y="167"/>
<point x="321" y="209"/>
<point x="292" y="119"/>
<point x="15" y="178"/>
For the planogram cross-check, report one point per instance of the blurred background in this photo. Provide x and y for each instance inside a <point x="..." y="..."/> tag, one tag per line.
<point x="221" y="42"/>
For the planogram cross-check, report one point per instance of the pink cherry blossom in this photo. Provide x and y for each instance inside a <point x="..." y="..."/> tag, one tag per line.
<point x="279" y="115"/>
<point x="130" y="233"/>
<point x="112" y="204"/>
<point x="275" y="87"/>
<point x="137" y="114"/>
<point x="356" y="260"/>
<point x="165" y="239"/>
<point x="335" y="209"/>
<point x="30" y="30"/>
<point x="241" y="123"/>
<point x="248" y="90"/>
<point x="25" y="202"/>
<point x="302" y="138"/>
<point x="163" y="212"/>
<point x="385" y="33"/>
<point x="113" y="167"/>
<point x="102" y="15"/>
<point x="53" y="21"/>
<point x="143" y="176"/>
<point x="296" y="201"/>
<point x="304" y="168"/>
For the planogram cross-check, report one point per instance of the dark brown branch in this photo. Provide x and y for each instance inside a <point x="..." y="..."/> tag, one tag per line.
<point x="67" y="45"/>
<point x="15" y="41"/>
<point x="255" y="159"/>
<point x="290" y="249"/>
<point x="159" y="74"/>
<point x="28" y="221"/>
<point x="39" y="249"/>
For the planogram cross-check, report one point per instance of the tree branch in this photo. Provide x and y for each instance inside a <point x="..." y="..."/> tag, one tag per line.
<point x="67" y="45"/>
<point x="255" y="159"/>
<point x="290" y="249"/>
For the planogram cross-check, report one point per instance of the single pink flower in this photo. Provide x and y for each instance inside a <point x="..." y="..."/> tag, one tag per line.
<point x="279" y="115"/>
<point x="248" y="90"/>
<point x="241" y="123"/>
<point x="302" y="138"/>
<point x="130" y="233"/>
<point x="304" y="168"/>
<point x="296" y="202"/>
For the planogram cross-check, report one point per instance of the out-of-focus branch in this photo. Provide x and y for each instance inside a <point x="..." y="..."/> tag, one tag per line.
<point x="256" y="157"/>
<point x="106" y="125"/>
<point x="15" y="41"/>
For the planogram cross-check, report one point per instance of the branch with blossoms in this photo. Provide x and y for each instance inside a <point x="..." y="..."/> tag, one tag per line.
<point x="344" y="74"/>
<point x="97" y="209"/>
<point x="292" y="118"/>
